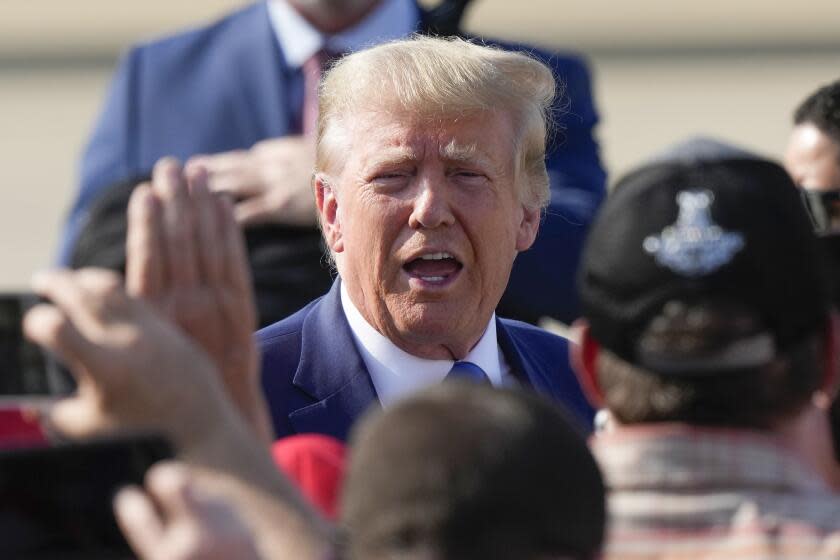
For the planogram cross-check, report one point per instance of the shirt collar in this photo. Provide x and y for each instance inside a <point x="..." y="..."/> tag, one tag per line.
<point x="396" y="373"/>
<point x="668" y="456"/>
<point x="299" y="40"/>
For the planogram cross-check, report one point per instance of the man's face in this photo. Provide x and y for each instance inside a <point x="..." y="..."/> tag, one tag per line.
<point x="813" y="159"/>
<point x="425" y="219"/>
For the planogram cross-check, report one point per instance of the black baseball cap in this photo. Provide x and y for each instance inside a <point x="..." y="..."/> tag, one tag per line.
<point x="704" y="222"/>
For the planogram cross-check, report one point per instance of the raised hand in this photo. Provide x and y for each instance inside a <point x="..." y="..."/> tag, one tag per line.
<point x="185" y="255"/>
<point x="135" y="370"/>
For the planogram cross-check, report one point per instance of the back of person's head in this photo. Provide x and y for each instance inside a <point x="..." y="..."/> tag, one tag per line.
<point x="822" y="109"/>
<point x="705" y="292"/>
<point x="470" y="472"/>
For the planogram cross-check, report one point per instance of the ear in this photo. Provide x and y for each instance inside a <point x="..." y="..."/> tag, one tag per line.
<point x="528" y="227"/>
<point x="327" y="203"/>
<point x="584" y="358"/>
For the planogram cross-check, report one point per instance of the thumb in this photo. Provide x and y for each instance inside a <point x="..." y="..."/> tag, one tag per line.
<point x="76" y="417"/>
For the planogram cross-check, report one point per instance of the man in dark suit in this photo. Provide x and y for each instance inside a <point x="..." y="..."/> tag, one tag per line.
<point x="430" y="179"/>
<point x="236" y="90"/>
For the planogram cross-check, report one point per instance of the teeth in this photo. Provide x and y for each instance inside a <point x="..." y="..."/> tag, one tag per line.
<point x="437" y="256"/>
<point x="432" y="278"/>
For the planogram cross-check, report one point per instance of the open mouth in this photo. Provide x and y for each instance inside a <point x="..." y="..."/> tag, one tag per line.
<point x="434" y="268"/>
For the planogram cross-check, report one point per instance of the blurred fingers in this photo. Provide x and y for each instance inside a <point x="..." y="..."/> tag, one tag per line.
<point x="145" y="247"/>
<point x="49" y="327"/>
<point x="76" y="417"/>
<point x="231" y="172"/>
<point x="178" y="219"/>
<point x="237" y="186"/>
<point x="222" y="162"/>
<point x="236" y="266"/>
<point x="169" y="484"/>
<point x="89" y="297"/>
<point x="140" y="522"/>
<point x="256" y="210"/>
<point x="207" y="228"/>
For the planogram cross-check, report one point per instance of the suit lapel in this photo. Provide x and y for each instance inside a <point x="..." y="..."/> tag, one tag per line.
<point x="331" y="371"/>
<point x="521" y="362"/>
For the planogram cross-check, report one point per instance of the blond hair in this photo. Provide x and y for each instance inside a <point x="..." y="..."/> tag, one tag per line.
<point x="437" y="77"/>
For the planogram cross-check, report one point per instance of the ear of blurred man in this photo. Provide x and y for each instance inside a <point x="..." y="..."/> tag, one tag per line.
<point x="584" y="358"/>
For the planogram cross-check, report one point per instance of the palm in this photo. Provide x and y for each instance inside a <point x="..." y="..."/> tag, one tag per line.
<point x="219" y="320"/>
<point x="186" y="256"/>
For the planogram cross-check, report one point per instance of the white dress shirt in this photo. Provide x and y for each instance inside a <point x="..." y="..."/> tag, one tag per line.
<point x="397" y="374"/>
<point x="389" y="20"/>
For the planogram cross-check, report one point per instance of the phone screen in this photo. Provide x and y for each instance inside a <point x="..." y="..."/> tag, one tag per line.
<point x="56" y="502"/>
<point x="25" y="369"/>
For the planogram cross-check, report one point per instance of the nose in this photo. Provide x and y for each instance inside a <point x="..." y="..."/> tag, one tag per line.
<point x="432" y="207"/>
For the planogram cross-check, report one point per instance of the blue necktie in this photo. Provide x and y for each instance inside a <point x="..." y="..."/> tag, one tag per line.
<point x="467" y="371"/>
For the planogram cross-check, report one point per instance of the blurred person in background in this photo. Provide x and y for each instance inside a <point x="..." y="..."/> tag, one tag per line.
<point x="709" y="338"/>
<point x="813" y="160"/>
<point x="238" y="97"/>
<point x="813" y="155"/>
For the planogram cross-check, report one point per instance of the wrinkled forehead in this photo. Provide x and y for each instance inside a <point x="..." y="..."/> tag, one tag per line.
<point x="389" y="133"/>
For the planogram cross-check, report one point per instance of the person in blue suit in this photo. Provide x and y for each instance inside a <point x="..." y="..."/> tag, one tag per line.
<point x="430" y="178"/>
<point x="232" y="97"/>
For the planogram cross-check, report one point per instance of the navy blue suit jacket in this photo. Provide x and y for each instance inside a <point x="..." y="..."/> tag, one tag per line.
<point x="315" y="379"/>
<point x="226" y="86"/>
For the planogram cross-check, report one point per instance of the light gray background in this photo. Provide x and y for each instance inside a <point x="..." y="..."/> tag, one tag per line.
<point x="663" y="69"/>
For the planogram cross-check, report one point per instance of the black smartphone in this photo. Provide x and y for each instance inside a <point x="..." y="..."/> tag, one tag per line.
<point x="26" y="370"/>
<point x="56" y="502"/>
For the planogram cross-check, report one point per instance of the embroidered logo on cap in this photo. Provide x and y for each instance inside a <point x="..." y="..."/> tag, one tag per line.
<point x="694" y="245"/>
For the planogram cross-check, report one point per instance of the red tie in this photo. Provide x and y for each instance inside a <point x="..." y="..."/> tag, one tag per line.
<point x="313" y="69"/>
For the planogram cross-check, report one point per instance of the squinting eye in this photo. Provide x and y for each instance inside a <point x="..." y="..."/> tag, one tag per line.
<point x="390" y="181"/>
<point x="389" y="177"/>
<point x="469" y="176"/>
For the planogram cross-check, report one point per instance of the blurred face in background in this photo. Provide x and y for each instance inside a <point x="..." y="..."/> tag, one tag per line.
<point x="813" y="159"/>
<point x="331" y="16"/>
